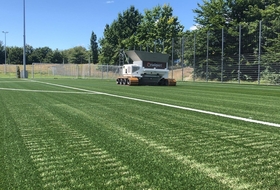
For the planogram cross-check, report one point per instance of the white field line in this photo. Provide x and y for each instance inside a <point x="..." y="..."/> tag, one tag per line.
<point x="170" y="105"/>
<point x="48" y="91"/>
<point x="188" y="161"/>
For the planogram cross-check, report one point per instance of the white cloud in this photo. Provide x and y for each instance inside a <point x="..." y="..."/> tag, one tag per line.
<point x="195" y="27"/>
<point x="108" y="2"/>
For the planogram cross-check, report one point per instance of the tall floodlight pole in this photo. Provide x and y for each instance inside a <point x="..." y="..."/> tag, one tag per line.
<point x="24" y="50"/>
<point x="5" y="32"/>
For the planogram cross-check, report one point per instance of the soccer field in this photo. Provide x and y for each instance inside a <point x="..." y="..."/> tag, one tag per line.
<point x="94" y="134"/>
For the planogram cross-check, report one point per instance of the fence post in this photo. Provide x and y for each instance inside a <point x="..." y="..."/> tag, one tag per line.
<point x="33" y="70"/>
<point x="172" y="55"/>
<point x="102" y="71"/>
<point x="89" y="68"/>
<point x="183" y="42"/>
<point x="107" y="71"/>
<point x="239" y="54"/>
<point x="259" y="57"/>
<point x="77" y="70"/>
<point x="222" y="56"/>
<point x="207" y="56"/>
<point x="194" y="70"/>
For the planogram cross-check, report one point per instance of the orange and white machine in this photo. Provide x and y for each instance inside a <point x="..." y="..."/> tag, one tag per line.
<point x="147" y="69"/>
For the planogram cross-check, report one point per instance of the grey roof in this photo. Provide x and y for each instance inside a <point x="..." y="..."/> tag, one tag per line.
<point x="147" y="56"/>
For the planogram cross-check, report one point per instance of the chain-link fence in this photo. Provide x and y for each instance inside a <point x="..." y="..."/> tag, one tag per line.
<point x="248" y="52"/>
<point x="45" y="70"/>
<point x="244" y="53"/>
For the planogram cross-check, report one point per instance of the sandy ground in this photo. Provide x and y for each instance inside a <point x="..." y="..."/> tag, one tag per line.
<point x="177" y="74"/>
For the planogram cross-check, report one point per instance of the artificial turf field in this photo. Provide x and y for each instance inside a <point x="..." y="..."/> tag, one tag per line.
<point x="94" y="134"/>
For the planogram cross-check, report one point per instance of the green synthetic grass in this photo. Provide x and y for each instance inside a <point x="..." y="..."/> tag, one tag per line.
<point x="62" y="138"/>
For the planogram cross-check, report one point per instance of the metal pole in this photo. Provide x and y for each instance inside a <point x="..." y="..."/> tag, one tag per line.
<point x="107" y="70"/>
<point x="77" y="70"/>
<point x="24" y="48"/>
<point x="5" y="32"/>
<point x="102" y="66"/>
<point x="33" y="70"/>
<point x="222" y="57"/>
<point x="89" y="67"/>
<point x="194" y="70"/>
<point x="259" y="59"/>
<point x="239" y="54"/>
<point x="172" y="55"/>
<point x="207" y="56"/>
<point x="183" y="40"/>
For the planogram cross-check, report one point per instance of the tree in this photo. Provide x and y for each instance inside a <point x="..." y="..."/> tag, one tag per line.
<point x="131" y="30"/>
<point x="78" y="55"/>
<point x="157" y="29"/>
<point x="211" y="16"/>
<point x="2" y="53"/>
<point x="41" y="55"/>
<point x="214" y="15"/>
<point x="127" y="26"/>
<point x="271" y="39"/>
<point x="119" y="35"/>
<point x="56" y="56"/>
<point x="15" y="55"/>
<point x="29" y="50"/>
<point x="108" y="44"/>
<point x="94" y="48"/>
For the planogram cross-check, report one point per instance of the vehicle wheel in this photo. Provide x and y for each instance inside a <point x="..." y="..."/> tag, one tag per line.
<point x="117" y="81"/>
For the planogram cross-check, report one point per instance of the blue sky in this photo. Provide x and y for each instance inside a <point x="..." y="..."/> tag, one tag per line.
<point x="64" y="24"/>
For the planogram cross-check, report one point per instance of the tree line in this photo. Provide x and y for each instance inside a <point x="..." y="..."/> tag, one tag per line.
<point x="76" y="55"/>
<point x="157" y="29"/>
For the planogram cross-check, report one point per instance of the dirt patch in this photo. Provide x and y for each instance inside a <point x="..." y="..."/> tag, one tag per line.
<point x="177" y="74"/>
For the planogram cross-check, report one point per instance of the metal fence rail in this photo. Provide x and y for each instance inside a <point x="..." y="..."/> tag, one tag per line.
<point x="46" y="70"/>
<point x="244" y="53"/>
<point x="231" y="74"/>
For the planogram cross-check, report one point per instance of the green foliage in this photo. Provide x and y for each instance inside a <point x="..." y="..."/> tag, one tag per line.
<point x="2" y="53"/>
<point x="153" y="32"/>
<point x="14" y="55"/>
<point x="272" y="75"/>
<point x="56" y="57"/>
<point x="214" y="15"/>
<point x="157" y="29"/>
<point x="47" y="55"/>
<point x="40" y="55"/>
<point x="94" y="48"/>
<point x="78" y="55"/>
<point x="120" y="34"/>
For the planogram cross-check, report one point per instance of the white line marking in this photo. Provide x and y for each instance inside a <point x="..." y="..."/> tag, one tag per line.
<point x="170" y="105"/>
<point x="48" y="91"/>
